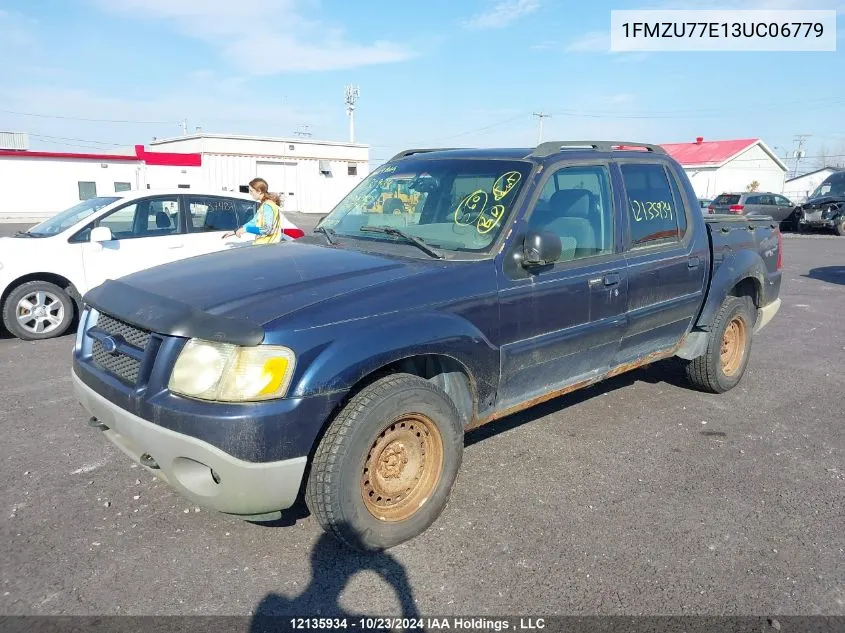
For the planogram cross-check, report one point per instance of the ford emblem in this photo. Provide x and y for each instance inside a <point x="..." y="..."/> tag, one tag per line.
<point x="109" y="345"/>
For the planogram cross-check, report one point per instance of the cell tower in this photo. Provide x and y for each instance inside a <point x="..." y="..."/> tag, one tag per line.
<point x="352" y="94"/>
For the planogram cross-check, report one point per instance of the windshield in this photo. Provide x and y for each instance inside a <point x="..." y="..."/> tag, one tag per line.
<point x="452" y="204"/>
<point x="67" y="218"/>
<point x="833" y="185"/>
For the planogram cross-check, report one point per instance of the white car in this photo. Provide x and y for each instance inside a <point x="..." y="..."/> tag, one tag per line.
<point x="45" y="271"/>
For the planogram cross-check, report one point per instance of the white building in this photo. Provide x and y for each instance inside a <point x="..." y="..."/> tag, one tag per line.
<point x="798" y="189"/>
<point x="716" y="167"/>
<point x="312" y="176"/>
<point x="36" y="185"/>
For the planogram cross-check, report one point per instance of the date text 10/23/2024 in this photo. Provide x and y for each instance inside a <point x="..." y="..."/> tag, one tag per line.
<point x="427" y="624"/>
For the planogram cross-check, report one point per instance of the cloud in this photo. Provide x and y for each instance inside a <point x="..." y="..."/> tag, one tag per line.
<point x="544" y="46"/>
<point x="502" y="14"/>
<point x="264" y="37"/>
<point x="622" y="97"/>
<point x="590" y="42"/>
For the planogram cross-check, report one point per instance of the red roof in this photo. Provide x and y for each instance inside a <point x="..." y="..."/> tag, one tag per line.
<point x="707" y="152"/>
<point x="141" y="155"/>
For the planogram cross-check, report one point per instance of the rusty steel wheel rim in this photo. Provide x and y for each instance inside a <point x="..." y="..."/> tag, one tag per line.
<point x="402" y="468"/>
<point x="733" y="346"/>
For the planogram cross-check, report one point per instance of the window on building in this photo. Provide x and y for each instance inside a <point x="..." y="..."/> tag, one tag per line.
<point x="576" y="205"/>
<point x="122" y="186"/>
<point x="87" y="190"/>
<point x="184" y="186"/>
<point x="352" y="170"/>
<point x="653" y="211"/>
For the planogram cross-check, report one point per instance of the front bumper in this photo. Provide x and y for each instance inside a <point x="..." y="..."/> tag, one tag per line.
<point x="197" y="470"/>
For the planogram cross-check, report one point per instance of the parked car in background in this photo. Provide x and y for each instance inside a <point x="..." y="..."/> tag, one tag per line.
<point x="45" y="271"/>
<point x="825" y="208"/>
<point x="778" y="207"/>
<point x="704" y="205"/>
<point x="348" y="364"/>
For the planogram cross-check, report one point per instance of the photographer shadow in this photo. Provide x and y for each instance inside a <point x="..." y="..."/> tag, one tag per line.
<point x="332" y="567"/>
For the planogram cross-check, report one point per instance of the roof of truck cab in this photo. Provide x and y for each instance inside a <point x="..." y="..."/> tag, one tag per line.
<point x="524" y="153"/>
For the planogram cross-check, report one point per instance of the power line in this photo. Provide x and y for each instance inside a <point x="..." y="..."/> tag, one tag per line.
<point x="74" y="118"/>
<point x="64" y="138"/>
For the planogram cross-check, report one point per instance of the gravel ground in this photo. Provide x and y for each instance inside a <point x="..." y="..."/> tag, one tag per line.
<point x="636" y="496"/>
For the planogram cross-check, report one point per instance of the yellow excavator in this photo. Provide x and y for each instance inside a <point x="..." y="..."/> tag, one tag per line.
<point x="396" y="200"/>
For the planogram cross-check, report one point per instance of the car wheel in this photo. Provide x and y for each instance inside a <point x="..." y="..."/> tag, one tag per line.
<point x="722" y="366"/>
<point x="840" y="226"/>
<point x="384" y="470"/>
<point x="38" y="310"/>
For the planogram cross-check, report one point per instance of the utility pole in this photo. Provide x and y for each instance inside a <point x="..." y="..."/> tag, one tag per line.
<point x="352" y="94"/>
<point x="303" y="130"/>
<point x="799" y="152"/>
<point x="184" y="124"/>
<point x="540" y="116"/>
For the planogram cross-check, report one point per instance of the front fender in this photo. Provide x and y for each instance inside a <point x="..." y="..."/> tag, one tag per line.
<point x="359" y="350"/>
<point x="736" y="266"/>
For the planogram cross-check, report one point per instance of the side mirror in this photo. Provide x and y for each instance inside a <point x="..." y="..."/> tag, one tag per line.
<point x="541" y="248"/>
<point x="101" y="234"/>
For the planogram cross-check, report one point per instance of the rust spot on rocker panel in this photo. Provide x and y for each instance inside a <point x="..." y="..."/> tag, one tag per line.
<point x="551" y="395"/>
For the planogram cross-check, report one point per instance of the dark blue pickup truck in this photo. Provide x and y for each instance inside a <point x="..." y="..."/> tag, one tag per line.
<point x="346" y="366"/>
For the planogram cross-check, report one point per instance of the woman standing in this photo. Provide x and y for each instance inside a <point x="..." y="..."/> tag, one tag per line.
<point x="267" y="222"/>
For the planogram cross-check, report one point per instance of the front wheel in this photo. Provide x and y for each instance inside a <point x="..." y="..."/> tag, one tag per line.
<point x="728" y="349"/>
<point x="840" y="226"/>
<point x="384" y="470"/>
<point x="37" y="310"/>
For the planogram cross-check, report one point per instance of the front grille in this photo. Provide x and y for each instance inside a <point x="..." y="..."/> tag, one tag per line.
<point x="121" y="365"/>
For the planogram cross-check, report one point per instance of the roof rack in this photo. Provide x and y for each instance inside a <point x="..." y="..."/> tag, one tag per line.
<point x="411" y="152"/>
<point x="553" y="147"/>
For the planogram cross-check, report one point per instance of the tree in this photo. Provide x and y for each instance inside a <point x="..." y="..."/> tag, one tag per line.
<point x="753" y="186"/>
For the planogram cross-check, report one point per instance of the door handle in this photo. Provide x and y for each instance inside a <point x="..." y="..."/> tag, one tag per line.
<point x="694" y="262"/>
<point x="610" y="279"/>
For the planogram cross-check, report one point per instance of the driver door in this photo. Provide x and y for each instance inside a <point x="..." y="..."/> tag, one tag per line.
<point x="146" y="232"/>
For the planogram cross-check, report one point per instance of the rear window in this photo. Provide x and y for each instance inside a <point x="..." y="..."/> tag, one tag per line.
<point x="727" y="198"/>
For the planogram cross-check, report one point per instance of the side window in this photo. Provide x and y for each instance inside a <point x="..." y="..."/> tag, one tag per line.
<point x="154" y="217"/>
<point x="783" y="202"/>
<point x="680" y="205"/>
<point x="210" y="213"/>
<point x="652" y="211"/>
<point x="121" y="222"/>
<point x="754" y="200"/>
<point x="576" y="204"/>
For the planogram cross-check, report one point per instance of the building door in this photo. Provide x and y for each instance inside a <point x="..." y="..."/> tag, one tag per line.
<point x="281" y="178"/>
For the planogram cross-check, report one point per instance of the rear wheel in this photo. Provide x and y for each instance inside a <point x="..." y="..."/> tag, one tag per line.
<point x="840" y="226"/>
<point x="37" y="310"/>
<point x="384" y="470"/>
<point x="722" y="366"/>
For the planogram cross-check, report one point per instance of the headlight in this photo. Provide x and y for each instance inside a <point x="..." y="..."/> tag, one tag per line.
<point x="229" y="373"/>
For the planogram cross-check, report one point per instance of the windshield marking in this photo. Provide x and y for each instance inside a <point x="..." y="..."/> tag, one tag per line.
<point x="498" y="212"/>
<point x="509" y="180"/>
<point x="471" y="203"/>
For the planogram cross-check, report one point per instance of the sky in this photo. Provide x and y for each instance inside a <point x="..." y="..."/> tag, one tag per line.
<point x="79" y="75"/>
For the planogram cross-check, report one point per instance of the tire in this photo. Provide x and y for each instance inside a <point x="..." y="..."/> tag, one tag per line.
<point x="376" y="431"/>
<point x="840" y="226"/>
<point x="51" y="309"/>
<point x="718" y="372"/>
<point x="392" y="206"/>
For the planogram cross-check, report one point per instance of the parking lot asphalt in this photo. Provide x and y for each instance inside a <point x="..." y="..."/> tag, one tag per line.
<point x="636" y="496"/>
